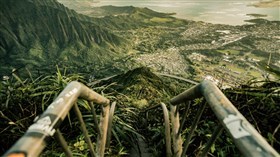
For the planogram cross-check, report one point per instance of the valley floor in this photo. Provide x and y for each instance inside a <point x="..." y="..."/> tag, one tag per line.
<point x="229" y="55"/>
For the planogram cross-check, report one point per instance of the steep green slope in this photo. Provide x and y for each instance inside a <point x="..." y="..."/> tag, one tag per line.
<point x="37" y="33"/>
<point x="40" y="34"/>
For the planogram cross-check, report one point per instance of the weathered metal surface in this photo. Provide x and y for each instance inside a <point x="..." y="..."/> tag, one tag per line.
<point x="101" y="140"/>
<point x="59" y="137"/>
<point x="94" y="118"/>
<point x="245" y="136"/>
<point x="110" y="123"/>
<point x="84" y="129"/>
<point x="34" y="140"/>
<point x="189" y="94"/>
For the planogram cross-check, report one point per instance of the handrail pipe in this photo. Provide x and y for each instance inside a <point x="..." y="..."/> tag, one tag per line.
<point x="245" y="136"/>
<point x="33" y="142"/>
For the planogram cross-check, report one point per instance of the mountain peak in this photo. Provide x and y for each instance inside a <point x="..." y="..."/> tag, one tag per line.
<point x="141" y="83"/>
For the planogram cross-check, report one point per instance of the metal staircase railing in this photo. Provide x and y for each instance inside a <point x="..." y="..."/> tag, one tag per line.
<point x="246" y="138"/>
<point x="33" y="142"/>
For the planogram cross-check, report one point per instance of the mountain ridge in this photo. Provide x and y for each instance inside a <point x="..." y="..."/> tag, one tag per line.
<point x="44" y="30"/>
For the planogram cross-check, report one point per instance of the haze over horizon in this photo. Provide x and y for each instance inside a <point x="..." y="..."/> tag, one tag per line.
<point x="212" y="11"/>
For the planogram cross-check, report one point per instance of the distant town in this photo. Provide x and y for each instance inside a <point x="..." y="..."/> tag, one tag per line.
<point x="228" y="55"/>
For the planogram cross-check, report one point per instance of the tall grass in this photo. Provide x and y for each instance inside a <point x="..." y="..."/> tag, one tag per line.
<point x="23" y="99"/>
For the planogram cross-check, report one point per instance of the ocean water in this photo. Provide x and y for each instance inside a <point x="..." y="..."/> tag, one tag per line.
<point x="213" y="11"/>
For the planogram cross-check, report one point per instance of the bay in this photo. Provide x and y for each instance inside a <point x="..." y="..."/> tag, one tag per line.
<point x="212" y="11"/>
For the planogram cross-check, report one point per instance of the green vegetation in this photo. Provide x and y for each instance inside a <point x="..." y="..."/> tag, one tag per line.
<point x="42" y="33"/>
<point x="257" y="15"/>
<point x="138" y="94"/>
<point x="229" y="52"/>
<point x="37" y="37"/>
<point x="159" y="20"/>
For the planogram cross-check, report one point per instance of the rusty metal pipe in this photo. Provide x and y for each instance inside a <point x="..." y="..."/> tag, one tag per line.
<point x="84" y="129"/>
<point x="101" y="140"/>
<point x="94" y="117"/>
<point x="33" y="141"/>
<point x="110" y="123"/>
<point x="190" y="94"/>
<point x="247" y="139"/>
<point x="59" y="137"/>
